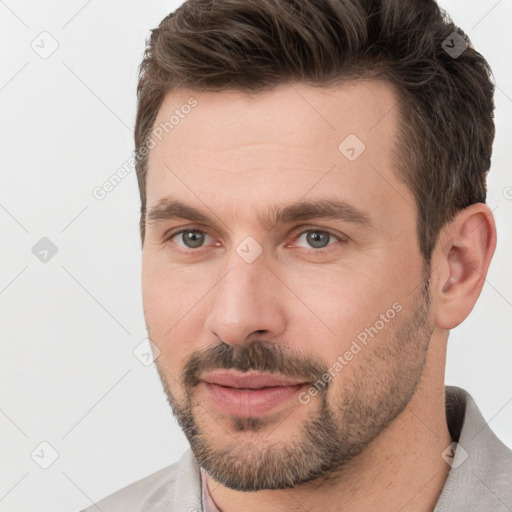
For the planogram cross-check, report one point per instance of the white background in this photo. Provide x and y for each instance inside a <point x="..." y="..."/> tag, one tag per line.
<point x="69" y="326"/>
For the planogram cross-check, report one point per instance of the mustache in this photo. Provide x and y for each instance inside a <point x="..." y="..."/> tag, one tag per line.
<point x="261" y="356"/>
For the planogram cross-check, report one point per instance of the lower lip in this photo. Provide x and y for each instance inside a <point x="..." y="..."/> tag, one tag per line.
<point x="245" y="403"/>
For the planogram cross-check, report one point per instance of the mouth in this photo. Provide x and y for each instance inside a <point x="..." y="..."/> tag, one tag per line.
<point x="250" y="394"/>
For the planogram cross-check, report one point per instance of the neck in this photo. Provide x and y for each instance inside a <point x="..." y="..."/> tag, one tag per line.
<point x="402" y="469"/>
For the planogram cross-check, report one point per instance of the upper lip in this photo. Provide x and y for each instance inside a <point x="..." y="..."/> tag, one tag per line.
<point x="250" y="380"/>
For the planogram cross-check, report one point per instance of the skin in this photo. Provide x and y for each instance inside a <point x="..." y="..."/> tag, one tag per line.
<point x="236" y="157"/>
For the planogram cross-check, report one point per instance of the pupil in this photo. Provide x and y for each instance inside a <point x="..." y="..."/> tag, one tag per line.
<point x="315" y="239"/>
<point x="193" y="239"/>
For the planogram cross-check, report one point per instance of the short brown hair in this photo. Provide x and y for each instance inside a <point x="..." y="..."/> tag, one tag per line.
<point x="444" y="145"/>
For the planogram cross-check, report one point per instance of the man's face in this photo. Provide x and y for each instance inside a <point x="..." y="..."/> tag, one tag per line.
<point x="287" y="342"/>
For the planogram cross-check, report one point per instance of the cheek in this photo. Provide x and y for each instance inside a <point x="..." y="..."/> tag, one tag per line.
<point x="339" y="308"/>
<point x="168" y="292"/>
<point x="342" y="299"/>
<point x="173" y="315"/>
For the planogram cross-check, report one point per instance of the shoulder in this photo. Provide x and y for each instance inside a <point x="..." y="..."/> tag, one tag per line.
<point x="154" y="492"/>
<point x="480" y="477"/>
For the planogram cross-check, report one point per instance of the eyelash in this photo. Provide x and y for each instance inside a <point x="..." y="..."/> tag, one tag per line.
<point x="295" y="238"/>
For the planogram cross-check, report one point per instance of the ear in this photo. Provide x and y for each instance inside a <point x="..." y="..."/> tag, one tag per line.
<point x="465" y="250"/>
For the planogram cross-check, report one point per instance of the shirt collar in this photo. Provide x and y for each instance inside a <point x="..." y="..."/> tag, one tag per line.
<point x="208" y="503"/>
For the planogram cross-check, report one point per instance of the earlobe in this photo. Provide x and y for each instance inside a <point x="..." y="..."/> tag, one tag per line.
<point x="466" y="247"/>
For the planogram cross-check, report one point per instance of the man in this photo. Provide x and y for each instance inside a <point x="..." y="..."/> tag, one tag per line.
<point x="312" y="177"/>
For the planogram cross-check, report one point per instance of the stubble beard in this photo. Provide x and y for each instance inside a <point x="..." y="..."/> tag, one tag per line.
<point x="373" y="394"/>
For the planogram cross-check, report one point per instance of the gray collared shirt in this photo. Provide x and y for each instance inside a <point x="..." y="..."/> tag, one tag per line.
<point x="480" y="478"/>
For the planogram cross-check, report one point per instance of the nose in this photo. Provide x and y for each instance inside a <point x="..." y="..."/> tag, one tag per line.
<point x="246" y="302"/>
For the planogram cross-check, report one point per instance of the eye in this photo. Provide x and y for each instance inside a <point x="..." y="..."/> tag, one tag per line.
<point x="190" y="238"/>
<point x="318" y="239"/>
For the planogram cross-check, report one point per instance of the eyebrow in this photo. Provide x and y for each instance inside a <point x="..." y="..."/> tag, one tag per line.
<point x="328" y="208"/>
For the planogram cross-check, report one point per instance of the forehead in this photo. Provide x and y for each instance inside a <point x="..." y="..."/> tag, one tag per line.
<point x="235" y="147"/>
<point x="295" y="114"/>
